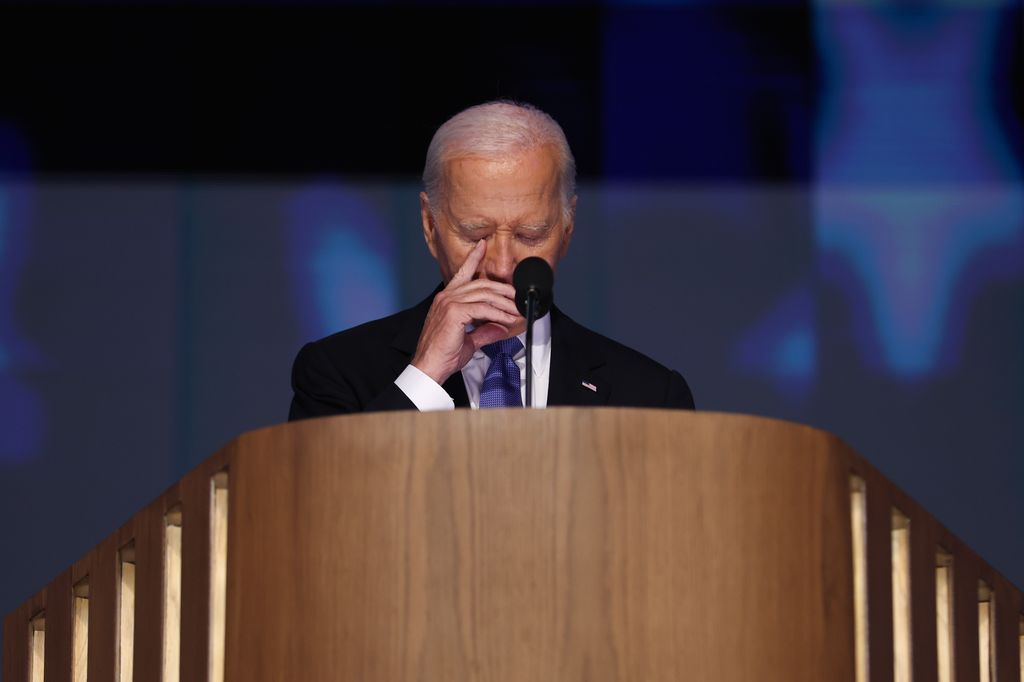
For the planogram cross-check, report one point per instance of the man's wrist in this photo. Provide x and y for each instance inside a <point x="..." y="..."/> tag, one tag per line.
<point x="425" y="393"/>
<point x="437" y="375"/>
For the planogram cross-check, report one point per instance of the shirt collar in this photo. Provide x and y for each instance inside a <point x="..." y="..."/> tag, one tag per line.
<point x="541" y="332"/>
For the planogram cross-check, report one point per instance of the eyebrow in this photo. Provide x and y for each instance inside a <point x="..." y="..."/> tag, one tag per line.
<point x="470" y="225"/>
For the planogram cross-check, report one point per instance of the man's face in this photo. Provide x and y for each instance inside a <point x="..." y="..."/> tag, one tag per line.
<point x="514" y="203"/>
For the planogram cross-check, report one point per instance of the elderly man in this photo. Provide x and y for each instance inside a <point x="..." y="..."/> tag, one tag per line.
<point x="499" y="186"/>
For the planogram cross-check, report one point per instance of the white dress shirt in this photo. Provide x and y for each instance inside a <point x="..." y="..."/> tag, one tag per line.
<point x="426" y="394"/>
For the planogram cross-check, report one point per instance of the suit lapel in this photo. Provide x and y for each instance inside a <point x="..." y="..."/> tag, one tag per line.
<point x="574" y="362"/>
<point x="456" y="388"/>
<point x="404" y="345"/>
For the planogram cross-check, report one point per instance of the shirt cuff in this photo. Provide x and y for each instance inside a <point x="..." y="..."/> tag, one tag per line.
<point x="425" y="393"/>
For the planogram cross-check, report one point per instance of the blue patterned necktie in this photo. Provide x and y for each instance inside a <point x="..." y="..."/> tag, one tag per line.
<point x="501" y="383"/>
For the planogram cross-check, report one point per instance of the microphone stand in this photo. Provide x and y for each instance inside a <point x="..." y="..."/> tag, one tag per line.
<point x="533" y="280"/>
<point x="531" y="312"/>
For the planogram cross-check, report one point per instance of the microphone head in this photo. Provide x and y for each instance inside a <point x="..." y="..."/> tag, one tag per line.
<point x="534" y="275"/>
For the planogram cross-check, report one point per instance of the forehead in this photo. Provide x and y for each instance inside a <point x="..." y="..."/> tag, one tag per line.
<point x="522" y="178"/>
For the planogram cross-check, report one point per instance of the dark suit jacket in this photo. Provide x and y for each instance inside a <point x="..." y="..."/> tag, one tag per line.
<point x="355" y="370"/>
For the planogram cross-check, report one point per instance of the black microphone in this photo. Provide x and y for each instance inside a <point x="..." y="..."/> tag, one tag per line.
<point x="533" y="278"/>
<point x="534" y="281"/>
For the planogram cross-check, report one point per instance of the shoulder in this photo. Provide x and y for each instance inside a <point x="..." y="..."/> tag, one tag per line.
<point x="598" y="347"/>
<point x="635" y="379"/>
<point x="354" y="370"/>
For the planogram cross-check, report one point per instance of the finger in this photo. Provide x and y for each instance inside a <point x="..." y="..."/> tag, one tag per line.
<point x="469" y="267"/>
<point x="488" y="333"/>
<point x="484" y="312"/>
<point x="502" y="288"/>
<point x="490" y="298"/>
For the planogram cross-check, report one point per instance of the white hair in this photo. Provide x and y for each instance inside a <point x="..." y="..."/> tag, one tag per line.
<point x="498" y="129"/>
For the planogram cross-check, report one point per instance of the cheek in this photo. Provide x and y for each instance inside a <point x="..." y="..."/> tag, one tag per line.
<point x="453" y="254"/>
<point x="459" y="250"/>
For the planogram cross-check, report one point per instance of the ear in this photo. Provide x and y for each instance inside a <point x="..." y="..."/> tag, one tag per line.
<point x="429" y="228"/>
<point x="567" y="230"/>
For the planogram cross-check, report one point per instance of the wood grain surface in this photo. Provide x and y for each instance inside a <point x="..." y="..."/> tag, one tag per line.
<point x="563" y="544"/>
<point x="529" y="545"/>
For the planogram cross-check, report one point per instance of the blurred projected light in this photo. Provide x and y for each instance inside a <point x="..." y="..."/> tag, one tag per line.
<point x="781" y="346"/>
<point x="22" y="431"/>
<point x="911" y="252"/>
<point x="341" y="259"/>
<point x="916" y="183"/>
<point x="907" y="93"/>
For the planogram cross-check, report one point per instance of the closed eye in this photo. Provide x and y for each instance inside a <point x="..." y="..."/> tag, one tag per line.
<point x="533" y="234"/>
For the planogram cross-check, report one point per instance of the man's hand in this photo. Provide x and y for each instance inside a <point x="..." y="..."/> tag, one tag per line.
<point x="444" y="346"/>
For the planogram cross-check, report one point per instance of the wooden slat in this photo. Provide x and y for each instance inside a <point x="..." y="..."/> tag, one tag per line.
<point x="1006" y="630"/>
<point x="195" y="584"/>
<point x="986" y="627"/>
<point x="15" y="652"/>
<point x="125" y="657"/>
<point x="149" y="570"/>
<point x="900" y="532"/>
<point x="944" y="615"/>
<point x="219" y="491"/>
<point x="103" y="607"/>
<point x="923" y="543"/>
<point x="880" y="626"/>
<point x="80" y="571"/>
<point x="171" y="671"/>
<point x="858" y="546"/>
<point x="922" y="581"/>
<point x="965" y="614"/>
<point x="58" y="628"/>
<point x="16" y="637"/>
<point x="37" y="648"/>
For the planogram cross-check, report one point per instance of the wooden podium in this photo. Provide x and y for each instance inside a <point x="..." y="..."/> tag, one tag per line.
<point x="526" y="545"/>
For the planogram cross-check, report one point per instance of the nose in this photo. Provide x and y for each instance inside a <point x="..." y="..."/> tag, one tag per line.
<point x="500" y="262"/>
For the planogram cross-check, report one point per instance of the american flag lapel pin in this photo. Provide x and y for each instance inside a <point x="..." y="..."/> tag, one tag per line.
<point x="592" y="387"/>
